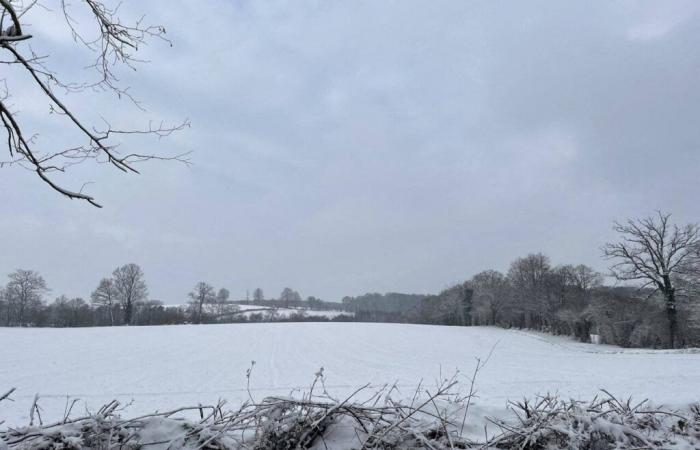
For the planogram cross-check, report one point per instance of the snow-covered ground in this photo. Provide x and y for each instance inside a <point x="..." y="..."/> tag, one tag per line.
<point x="286" y="312"/>
<point x="279" y="313"/>
<point x="170" y="366"/>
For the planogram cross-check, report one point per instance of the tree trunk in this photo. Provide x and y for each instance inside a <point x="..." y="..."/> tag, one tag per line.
<point x="671" y="312"/>
<point x="466" y="307"/>
<point x="128" y="311"/>
<point x="21" y="313"/>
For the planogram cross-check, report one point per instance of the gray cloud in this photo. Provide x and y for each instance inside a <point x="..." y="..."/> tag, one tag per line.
<point x="371" y="146"/>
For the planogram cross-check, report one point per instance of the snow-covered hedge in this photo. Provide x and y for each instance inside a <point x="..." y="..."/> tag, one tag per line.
<point x="431" y="421"/>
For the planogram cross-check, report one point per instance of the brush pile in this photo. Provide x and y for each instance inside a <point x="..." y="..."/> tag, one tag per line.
<point x="603" y="424"/>
<point x="365" y="420"/>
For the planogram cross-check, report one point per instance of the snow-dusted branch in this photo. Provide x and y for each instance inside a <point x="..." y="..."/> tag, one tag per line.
<point x="116" y="44"/>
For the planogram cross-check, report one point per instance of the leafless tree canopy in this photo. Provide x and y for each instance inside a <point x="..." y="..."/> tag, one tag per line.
<point x="130" y="287"/>
<point x="202" y="294"/>
<point x="114" y="45"/>
<point x="23" y="293"/>
<point x="659" y="255"/>
<point x="491" y="293"/>
<point x="105" y="295"/>
<point x="652" y="249"/>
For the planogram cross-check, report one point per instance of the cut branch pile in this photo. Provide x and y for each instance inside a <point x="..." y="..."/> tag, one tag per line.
<point x="377" y="422"/>
<point x="603" y="424"/>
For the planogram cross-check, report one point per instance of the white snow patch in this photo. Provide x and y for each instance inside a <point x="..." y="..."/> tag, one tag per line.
<point x="171" y="366"/>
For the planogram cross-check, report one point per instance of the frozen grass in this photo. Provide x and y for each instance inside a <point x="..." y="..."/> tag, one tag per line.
<point x="316" y="420"/>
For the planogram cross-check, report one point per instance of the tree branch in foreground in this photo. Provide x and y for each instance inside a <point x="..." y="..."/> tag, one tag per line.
<point x="115" y="44"/>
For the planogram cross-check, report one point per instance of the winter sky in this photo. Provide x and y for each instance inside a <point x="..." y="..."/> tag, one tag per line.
<point x="348" y="147"/>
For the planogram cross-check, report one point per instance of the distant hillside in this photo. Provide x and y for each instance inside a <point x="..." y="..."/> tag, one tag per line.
<point x="391" y="306"/>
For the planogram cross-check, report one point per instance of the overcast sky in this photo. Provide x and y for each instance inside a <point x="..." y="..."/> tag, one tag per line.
<point x="349" y="147"/>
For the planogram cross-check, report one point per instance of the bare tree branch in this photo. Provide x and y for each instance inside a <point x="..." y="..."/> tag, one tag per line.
<point x="115" y="44"/>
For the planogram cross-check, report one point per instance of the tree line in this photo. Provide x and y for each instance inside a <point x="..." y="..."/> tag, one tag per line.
<point x="122" y="299"/>
<point x="653" y="302"/>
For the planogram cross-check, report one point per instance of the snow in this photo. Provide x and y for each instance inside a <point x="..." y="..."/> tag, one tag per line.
<point x="170" y="366"/>
<point x="246" y="307"/>
<point x="280" y="313"/>
<point x="286" y="312"/>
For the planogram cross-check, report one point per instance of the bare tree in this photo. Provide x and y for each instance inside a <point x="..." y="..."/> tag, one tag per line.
<point x="529" y="277"/>
<point x="491" y="293"/>
<point x="202" y="294"/>
<point x="105" y="295"/>
<point x="222" y="297"/>
<point x="24" y="292"/>
<point x="584" y="278"/>
<point x="659" y="255"/>
<point x="258" y="295"/>
<point x="5" y="310"/>
<point x="130" y="288"/>
<point x="289" y="296"/>
<point x="114" y="41"/>
<point x="74" y="312"/>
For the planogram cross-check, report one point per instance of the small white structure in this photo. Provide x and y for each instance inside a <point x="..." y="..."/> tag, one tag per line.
<point x="595" y="339"/>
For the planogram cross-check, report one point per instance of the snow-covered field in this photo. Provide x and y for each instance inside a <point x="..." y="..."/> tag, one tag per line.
<point x="166" y="367"/>
<point x="248" y="310"/>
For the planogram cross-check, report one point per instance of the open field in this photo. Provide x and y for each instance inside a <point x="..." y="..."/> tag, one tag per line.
<point x="166" y="367"/>
<point x="287" y="312"/>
